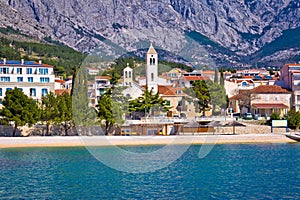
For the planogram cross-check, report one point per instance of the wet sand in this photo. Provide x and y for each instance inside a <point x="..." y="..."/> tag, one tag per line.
<point x="71" y="141"/>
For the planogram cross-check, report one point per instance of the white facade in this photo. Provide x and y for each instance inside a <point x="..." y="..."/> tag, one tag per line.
<point x="100" y="85"/>
<point x="33" y="78"/>
<point x="127" y="76"/>
<point x="152" y="69"/>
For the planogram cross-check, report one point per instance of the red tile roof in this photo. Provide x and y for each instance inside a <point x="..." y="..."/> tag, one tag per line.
<point x="269" y="105"/>
<point x="195" y="78"/>
<point x="292" y="64"/>
<point x="102" y="77"/>
<point x="169" y="90"/>
<point x="59" y="81"/>
<point x="62" y="91"/>
<point x="269" y="89"/>
<point x="247" y="76"/>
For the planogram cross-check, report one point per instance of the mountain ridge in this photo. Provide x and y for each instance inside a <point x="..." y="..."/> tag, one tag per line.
<point x="239" y="29"/>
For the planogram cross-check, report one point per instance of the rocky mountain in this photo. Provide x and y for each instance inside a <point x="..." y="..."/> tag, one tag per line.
<point x="227" y="32"/>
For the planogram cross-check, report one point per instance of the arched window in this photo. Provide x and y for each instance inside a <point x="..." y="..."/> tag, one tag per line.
<point x="126" y="74"/>
<point x="152" y="77"/>
<point x="153" y="61"/>
<point x="129" y="74"/>
<point x="244" y="83"/>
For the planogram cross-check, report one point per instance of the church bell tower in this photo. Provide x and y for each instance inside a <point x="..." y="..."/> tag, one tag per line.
<point x="152" y="69"/>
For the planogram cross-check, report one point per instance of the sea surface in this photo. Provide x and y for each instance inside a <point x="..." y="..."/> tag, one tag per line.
<point x="227" y="172"/>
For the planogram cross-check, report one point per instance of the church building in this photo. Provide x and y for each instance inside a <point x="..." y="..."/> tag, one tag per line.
<point x="174" y="96"/>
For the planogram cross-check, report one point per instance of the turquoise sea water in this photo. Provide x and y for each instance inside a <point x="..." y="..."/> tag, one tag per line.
<point x="228" y="172"/>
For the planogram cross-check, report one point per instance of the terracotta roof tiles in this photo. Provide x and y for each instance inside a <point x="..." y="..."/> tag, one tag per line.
<point x="269" y="89"/>
<point x="269" y="105"/>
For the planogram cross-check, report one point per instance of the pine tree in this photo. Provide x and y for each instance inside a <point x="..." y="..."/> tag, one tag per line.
<point x="202" y="94"/>
<point x="19" y="108"/>
<point x="105" y="111"/>
<point x="49" y="110"/>
<point x="222" y="78"/>
<point x="148" y="103"/>
<point x="83" y="115"/>
<point x="65" y="117"/>
<point x="216" y="80"/>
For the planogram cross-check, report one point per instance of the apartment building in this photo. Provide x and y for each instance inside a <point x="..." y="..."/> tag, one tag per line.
<point x="290" y="76"/>
<point x="35" y="79"/>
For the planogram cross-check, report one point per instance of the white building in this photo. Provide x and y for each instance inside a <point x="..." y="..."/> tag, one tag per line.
<point x="33" y="78"/>
<point x="127" y="76"/>
<point x="92" y="71"/>
<point x="152" y="69"/>
<point x="100" y="85"/>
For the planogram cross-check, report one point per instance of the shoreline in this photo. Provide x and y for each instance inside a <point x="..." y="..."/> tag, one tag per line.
<point x="102" y="141"/>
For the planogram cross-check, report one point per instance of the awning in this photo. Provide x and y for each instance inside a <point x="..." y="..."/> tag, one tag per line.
<point x="269" y="105"/>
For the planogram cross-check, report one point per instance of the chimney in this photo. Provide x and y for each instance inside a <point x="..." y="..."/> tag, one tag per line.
<point x="40" y="62"/>
<point x="4" y="60"/>
<point x="22" y="61"/>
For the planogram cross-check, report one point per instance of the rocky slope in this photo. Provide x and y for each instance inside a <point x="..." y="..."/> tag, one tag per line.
<point x="241" y="31"/>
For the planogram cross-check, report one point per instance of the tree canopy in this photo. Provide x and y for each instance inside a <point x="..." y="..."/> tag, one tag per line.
<point x="49" y="110"/>
<point x="293" y="118"/>
<point x="202" y="93"/>
<point x="105" y="111"/>
<point x="19" y="108"/>
<point x="148" y="103"/>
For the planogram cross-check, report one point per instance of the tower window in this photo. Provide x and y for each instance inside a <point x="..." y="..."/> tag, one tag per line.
<point x="153" y="61"/>
<point x="126" y="74"/>
<point x="129" y="74"/>
<point x="152" y="77"/>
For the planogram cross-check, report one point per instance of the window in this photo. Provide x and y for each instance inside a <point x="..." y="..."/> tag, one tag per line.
<point x="29" y="71"/>
<point x="179" y="91"/>
<point x="152" y="77"/>
<point x="0" y="91"/>
<point x="30" y="79"/>
<point x="44" y="80"/>
<point x="20" y="79"/>
<point x="8" y="89"/>
<point x="168" y="103"/>
<point x="129" y="74"/>
<point x="44" y="91"/>
<point x="4" y="70"/>
<point x="43" y="71"/>
<point x="267" y="98"/>
<point x="32" y="92"/>
<point x="21" y="89"/>
<point x="276" y="98"/>
<point x="244" y="84"/>
<point x="101" y="91"/>
<point x="126" y="74"/>
<point x="5" y="79"/>
<point x="180" y="103"/>
<point x="19" y="70"/>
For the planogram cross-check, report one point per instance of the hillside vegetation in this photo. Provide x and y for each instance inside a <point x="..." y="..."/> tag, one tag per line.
<point x="63" y="58"/>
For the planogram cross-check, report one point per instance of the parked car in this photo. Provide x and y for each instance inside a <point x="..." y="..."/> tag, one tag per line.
<point x="257" y="117"/>
<point x="247" y="116"/>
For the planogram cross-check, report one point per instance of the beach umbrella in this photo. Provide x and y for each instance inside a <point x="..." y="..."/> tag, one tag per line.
<point x="234" y="124"/>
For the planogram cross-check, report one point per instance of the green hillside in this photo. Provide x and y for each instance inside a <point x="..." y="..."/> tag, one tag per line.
<point x="63" y="58"/>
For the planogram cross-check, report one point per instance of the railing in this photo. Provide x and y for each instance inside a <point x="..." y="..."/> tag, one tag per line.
<point x="212" y="118"/>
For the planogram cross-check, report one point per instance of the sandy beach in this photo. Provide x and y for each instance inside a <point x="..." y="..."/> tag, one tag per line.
<point x="63" y="141"/>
